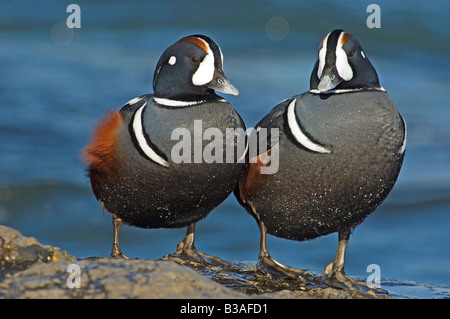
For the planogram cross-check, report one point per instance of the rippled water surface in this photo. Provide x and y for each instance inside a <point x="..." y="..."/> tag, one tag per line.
<point x="57" y="82"/>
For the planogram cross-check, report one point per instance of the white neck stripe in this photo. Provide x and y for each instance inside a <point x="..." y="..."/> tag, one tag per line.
<point x="315" y="91"/>
<point x="142" y="141"/>
<point x="298" y="134"/>
<point x="169" y="102"/>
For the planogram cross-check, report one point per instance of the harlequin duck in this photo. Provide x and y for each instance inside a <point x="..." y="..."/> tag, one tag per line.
<point x="148" y="162"/>
<point x="339" y="148"/>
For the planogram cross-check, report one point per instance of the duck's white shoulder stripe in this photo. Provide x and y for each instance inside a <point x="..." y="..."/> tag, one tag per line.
<point x="142" y="141"/>
<point x="133" y="101"/>
<point x="298" y="134"/>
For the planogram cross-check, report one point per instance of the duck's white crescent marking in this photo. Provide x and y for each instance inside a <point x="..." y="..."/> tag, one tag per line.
<point x="142" y="142"/>
<point x="298" y="134"/>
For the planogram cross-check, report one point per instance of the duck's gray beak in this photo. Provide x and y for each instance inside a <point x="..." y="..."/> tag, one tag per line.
<point x="329" y="81"/>
<point x="220" y="83"/>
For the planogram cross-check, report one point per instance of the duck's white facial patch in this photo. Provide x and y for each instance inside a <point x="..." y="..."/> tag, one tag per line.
<point x="342" y="66"/>
<point x="363" y="55"/>
<point x="205" y="71"/>
<point x="322" y="53"/>
<point x="172" y="60"/>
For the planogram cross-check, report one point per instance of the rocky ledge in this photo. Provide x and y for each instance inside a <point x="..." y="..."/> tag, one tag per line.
<point x="31" y="270"/>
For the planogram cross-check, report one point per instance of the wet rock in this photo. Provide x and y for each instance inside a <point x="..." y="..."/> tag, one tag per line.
<point x="108" y="278"/>
<point x="31" y="270"/>
<point x="18" y="252"/>
<point x="245" y="278"/>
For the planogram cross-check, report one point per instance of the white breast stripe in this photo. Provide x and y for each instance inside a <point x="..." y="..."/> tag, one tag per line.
<point x="298" y="134"/>
<point x="139" y="134"/>
<point x="403" y="147"/>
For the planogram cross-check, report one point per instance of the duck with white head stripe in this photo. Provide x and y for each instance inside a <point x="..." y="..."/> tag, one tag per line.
<point x="129" y="159"/>
<point x="341" y="149"/>
<point x="340" y="56"/>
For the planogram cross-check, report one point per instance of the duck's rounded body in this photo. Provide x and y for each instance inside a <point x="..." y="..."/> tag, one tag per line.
<point x="164" y="159"/>
<point x="339" y="150"/>
<point x="359" y="139"/>
<point x="152" y="190"/>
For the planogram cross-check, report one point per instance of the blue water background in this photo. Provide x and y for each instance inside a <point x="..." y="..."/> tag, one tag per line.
<point x="55" y="83"/>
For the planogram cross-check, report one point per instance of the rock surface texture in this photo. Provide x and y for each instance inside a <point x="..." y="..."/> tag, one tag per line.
<point x="31" y="270"/>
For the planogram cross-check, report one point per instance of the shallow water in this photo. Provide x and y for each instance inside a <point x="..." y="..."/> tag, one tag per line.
<point x="57" y="82"/>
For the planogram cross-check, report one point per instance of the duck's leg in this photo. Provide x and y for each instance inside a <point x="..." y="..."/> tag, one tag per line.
<point x="270" y="266"/>
<point x="115" y="251"/>
<point x="334" y="272"/>
<point x="186" y="250"/>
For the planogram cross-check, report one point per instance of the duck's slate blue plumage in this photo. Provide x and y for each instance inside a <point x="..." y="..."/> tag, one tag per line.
<point x="130" y="161"/>
<point x="340" y="150"/>
<point x="317" y="194"/>
<point x="148" y="195"/>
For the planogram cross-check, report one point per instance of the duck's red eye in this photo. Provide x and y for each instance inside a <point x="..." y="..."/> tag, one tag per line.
<point x="195" y="60"/>
<point x="351" y="54"/>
